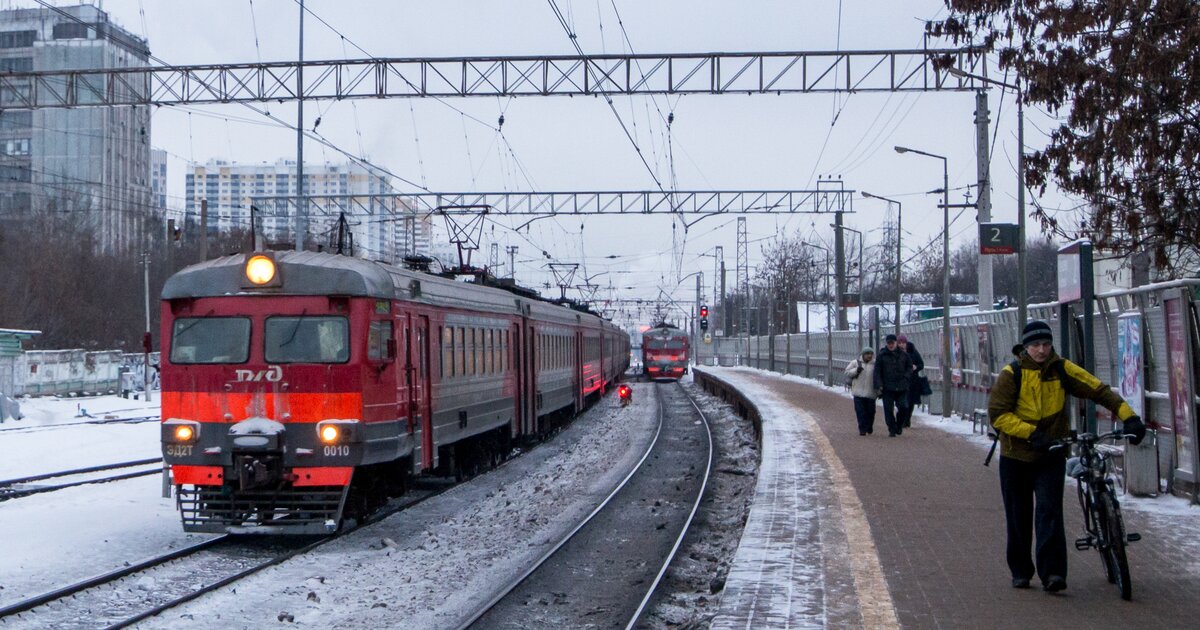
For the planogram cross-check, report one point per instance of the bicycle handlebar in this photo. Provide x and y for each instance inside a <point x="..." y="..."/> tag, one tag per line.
<point x="1089" y="438"/>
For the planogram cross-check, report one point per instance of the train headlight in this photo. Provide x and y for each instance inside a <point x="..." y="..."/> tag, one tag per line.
<point x="260" y="269"/>
<point x="330" y="434"/>
<point x="179" y="431"/>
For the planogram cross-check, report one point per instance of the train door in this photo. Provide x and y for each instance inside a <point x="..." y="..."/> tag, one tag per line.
<point x="520" y="423"/>
<point x="578" y="375"/>
<point x="531" y="370"/>
<point x="419" y="392"/>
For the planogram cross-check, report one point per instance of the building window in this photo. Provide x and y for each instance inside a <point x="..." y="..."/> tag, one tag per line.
<point x="70" y="30"/>
<point x="16" y="146"/>
<point x="17" y="39"/>
<point x="16" y="64"/>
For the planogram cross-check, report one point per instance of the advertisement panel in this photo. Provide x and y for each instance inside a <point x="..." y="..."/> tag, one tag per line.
<point x="1180" y="373"/>
<point x="986" y="368"/>
<point x="1129" y="368"/>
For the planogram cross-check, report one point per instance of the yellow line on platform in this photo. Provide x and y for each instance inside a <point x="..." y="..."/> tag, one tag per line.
<point x="874" y="597"/>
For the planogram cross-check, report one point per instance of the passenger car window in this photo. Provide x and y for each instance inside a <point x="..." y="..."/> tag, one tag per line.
<point x="210" y="340"/>
<point x="307" y="340"/>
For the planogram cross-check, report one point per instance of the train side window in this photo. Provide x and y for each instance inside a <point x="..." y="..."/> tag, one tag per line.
<point x="491" y="351"/>
<point x="474" y="353"/>
<point x="377" y="341"/>
<point x="460" y="339"/>
<point x="448" y="352"/>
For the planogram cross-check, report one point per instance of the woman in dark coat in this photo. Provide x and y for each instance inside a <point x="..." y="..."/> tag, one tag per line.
<point x="904" y="416"/>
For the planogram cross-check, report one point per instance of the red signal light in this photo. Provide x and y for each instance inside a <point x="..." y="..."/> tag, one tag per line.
<point x="704" y="310"/>
<point x="624" y="391"/>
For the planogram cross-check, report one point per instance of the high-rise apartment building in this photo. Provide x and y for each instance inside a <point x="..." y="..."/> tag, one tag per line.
<point x="158" y="181"/>
<point x="93" y="162"/>
<point x="385" y="232"/>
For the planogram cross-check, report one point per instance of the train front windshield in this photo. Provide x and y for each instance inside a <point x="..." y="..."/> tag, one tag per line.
<point x="307" y="340"/>
<point x="210" y="340"/>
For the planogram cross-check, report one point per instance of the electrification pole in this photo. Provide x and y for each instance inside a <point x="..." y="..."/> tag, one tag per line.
<point x="301" y="208"/>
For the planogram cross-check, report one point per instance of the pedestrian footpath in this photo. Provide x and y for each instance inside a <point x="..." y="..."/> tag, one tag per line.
<point x="877" y="532"/>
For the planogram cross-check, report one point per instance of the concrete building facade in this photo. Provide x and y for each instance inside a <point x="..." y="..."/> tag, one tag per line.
<point x="94" y="162"/>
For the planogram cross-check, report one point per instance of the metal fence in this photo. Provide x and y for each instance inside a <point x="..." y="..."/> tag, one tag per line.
<point x="57" y="372"/>
<point x="981" y="345"/>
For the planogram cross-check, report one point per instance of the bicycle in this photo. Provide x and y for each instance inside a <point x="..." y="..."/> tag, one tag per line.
<point x="1101" y="510"/>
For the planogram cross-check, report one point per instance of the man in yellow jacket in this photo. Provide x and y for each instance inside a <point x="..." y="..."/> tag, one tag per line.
<point x="1028" y="422"/>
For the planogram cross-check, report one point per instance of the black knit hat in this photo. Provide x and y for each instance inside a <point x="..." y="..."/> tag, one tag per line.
<point x="1036" y="330"/>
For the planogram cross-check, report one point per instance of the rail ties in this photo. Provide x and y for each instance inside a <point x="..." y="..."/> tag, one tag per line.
<point x="626" y="543"/>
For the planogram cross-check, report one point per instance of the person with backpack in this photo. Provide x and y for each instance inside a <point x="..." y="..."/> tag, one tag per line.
<point x="1028" y="408"/>
<point x="904" y="416"/>
<point x="860" y="377"/>
<point x="893" y="370"/>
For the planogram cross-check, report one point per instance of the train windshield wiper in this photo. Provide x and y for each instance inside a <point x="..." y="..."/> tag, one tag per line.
<point x="295" y="329"/>
<point x="193" y="324"/>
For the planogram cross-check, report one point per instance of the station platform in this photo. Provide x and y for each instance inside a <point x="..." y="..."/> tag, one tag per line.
<point x="879" y="532"/>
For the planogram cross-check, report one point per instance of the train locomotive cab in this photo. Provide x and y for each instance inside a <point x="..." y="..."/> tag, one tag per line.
<point x="275" y="391"/>
<point x="664" y="352"/>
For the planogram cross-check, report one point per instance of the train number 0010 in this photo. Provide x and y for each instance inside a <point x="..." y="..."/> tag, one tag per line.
<point x="340" y="450"/>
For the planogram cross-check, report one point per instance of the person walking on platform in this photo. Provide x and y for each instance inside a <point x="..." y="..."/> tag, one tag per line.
<point x="1027" y="406"/>
<point x="893" y="370"/>
<point x="904" y="416"/>
<point x="860" y="376"/>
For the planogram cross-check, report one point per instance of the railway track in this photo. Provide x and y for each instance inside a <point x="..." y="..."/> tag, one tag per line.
<point x="26" y="486"/>
<point x="598" y="574"/>
<point x="48" y="427"/>
<point x="125" y="596"/>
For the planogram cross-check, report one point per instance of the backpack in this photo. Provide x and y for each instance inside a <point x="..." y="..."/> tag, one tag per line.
<point x="1060" y="368"/>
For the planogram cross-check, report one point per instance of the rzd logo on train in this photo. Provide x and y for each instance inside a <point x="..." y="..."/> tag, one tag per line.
<point x="273" y="374"/>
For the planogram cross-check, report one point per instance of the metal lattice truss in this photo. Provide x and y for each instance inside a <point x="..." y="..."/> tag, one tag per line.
<point x="571" y="75"/>
<point x="559" y="203"/>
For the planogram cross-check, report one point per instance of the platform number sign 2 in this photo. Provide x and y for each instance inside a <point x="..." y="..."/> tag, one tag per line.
<point x="998" y="238"/>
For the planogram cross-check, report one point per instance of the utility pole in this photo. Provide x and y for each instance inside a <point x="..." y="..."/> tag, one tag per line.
<point x="718" y="261"/>
<point x="512" y="260"/>
<point x="203" y="230"/>
<point x="494" y="261"/>
<point x="839" y="249"/>
<point x="301" y="207"/>
<point x="987" y="298"/>
<point x="743" y="278"/>
<point x="696" y="319"/>
<point x="724" y="303"/>
<point x="147" y="338"/>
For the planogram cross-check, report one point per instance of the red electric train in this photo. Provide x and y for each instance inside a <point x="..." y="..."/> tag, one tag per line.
<point x="302" y="388"/>
<point x="664" y="352"/>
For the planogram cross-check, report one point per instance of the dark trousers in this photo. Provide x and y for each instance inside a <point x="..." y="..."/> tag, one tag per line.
<point x="893" y="402"/>
<point x="864" y="408"/>
<point x="1020" y="483"/>
<point x="904" y="415"/>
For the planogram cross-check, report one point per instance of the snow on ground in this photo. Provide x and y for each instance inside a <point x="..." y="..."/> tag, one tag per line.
<point x="61" y="537"/>
<point x="430" y="565"/>
<point x="53" y="436"/>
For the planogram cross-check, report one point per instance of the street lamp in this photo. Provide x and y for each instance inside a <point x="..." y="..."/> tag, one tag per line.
<point x="945" y="274"/>
<point x="899" y="216"/>
<point x="1022" y="313"/>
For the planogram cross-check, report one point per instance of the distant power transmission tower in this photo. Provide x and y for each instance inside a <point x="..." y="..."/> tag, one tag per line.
<point x="494" y="262"/>
<point x="718" y="260"/>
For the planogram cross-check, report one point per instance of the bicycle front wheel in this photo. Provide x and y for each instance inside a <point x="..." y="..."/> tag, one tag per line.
<point x="1113" y="546"/>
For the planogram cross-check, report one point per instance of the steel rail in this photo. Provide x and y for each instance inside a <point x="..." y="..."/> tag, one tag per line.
<point x="81" y="471"/>
<point x="637" y="615"/>
<point x="511" y="586"/>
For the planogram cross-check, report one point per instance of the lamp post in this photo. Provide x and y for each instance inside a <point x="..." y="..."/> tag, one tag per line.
<point x="899" y="223"/>
<point x="1022" y="311"/>
<point x="945" y="274"/>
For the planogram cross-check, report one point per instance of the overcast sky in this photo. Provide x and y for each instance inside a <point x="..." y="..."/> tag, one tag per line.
<point x="718" y="142"/>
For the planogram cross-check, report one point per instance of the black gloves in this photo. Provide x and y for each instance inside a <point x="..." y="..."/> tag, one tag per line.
<point x="1135" y="427"/>
<point x="1040" y="441"/>
<point x="859" y="371"/>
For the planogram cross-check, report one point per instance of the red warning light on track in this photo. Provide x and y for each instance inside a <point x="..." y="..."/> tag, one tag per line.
<point x="625" y="392"/>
